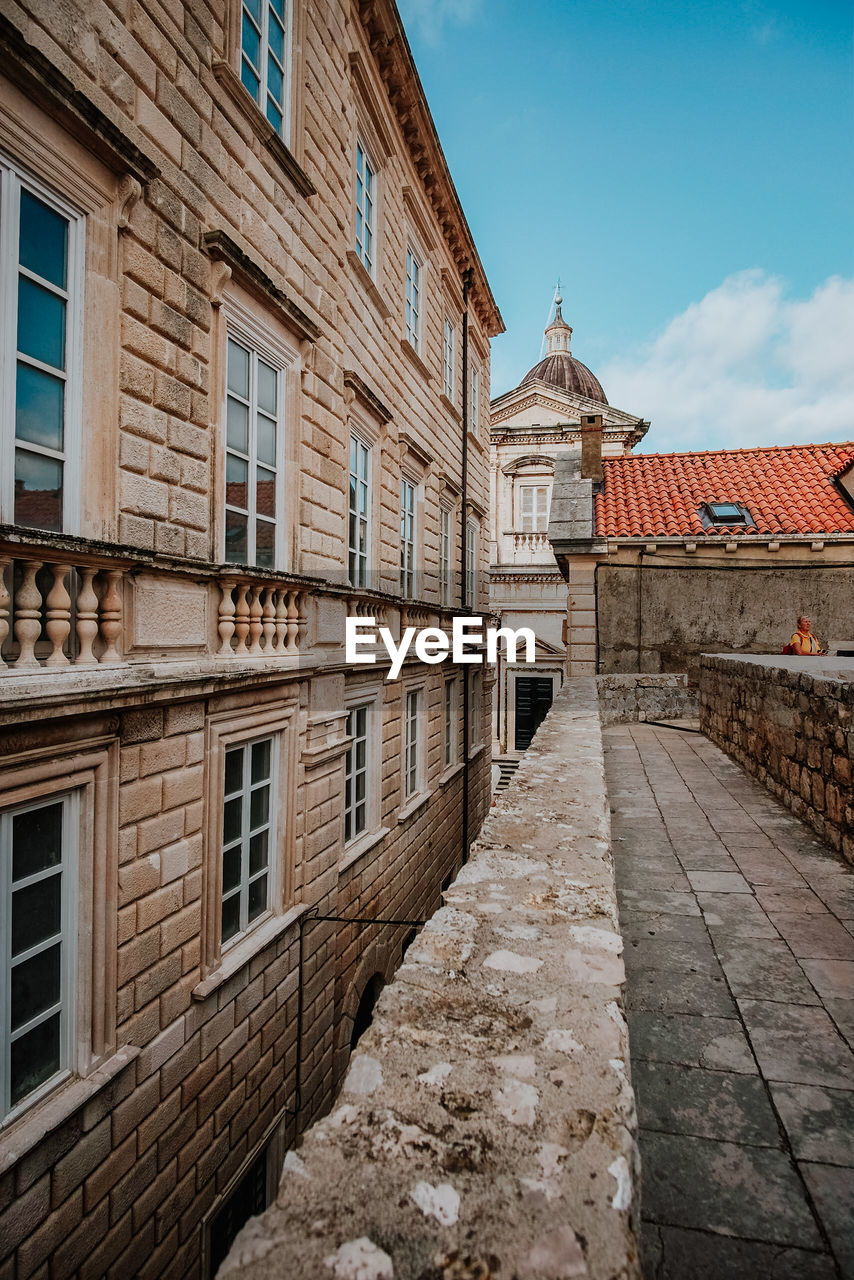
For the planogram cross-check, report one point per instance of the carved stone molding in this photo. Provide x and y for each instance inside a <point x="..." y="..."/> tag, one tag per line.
<point x="360" y="391"/>
<point x="130" y="190"/>
<point x="222" y="248"/>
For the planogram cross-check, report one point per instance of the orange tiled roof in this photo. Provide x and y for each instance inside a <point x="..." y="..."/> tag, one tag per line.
<point x="787" y="489"/>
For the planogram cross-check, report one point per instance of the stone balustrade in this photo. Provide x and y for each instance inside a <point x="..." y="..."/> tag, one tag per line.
<point x="56" y="611"/>
<point x="260" y="619"/>
<point x="531" y="544"/>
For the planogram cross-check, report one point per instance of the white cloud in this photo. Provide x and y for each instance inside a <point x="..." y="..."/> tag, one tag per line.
<point x="428" y="19"/>
<point x="747" y="365"/>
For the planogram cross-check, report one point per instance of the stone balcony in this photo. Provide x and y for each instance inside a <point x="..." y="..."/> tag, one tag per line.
<point x="79" y="617"/>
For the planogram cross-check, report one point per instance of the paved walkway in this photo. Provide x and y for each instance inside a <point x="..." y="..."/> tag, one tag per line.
<point x="739" y="939"/>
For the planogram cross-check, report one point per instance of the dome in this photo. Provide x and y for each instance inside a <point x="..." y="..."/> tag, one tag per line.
<point x="560" y="368"/>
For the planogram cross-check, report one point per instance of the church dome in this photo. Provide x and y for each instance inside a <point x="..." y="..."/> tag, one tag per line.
<point x="560" y="368"/>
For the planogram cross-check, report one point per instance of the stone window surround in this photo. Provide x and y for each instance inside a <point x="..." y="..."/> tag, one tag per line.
<point x="366" y="425"/>
<point x="225" y="729"/>
<point x="90" y="769"/>
<point x="411" y="803"/>
<point x="77" y="182"/>
<point x="370" y="129"/>
<point x="288" y="150"/>
<point x="370" y="693"/>
<point x="449" y="361"/>
<point x="373" y="226"/>
<point x="472" y="560"/>
<point x="14" y="180"/>
<point x="446" y="565"/>
<point x="451" y="726"/>
<point x="242" y="321"/>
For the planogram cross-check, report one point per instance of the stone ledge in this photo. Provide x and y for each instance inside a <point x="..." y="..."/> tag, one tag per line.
<point x="487" y="1118"/>
<point x="624" y="698"/>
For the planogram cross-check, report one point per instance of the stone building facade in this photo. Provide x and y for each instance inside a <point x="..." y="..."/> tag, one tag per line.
<point x="531" y="427"/>
<point x="245" y="367"/>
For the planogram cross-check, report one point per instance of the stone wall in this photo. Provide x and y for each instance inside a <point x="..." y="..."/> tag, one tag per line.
<point x="646" y="697"/>
<point x="788" y="721"/>
<point x="486" y="1125"/>
<point x="678" y="611"/>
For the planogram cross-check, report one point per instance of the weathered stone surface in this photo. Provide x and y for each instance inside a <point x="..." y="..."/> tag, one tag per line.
<point x="802" y="756"/>
<point x="487" y="1113"/>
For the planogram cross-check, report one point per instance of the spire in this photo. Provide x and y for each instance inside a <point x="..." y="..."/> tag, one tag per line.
<point x="558" y="333"/>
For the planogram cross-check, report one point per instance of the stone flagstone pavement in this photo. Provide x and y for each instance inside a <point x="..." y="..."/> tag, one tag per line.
<point x="739" y="943"/>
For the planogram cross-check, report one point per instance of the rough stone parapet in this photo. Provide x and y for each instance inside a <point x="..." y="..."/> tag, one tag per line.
<point x="646" y="697"/>
<point x="487" y="1122"/>
<point x="788" y="721"/>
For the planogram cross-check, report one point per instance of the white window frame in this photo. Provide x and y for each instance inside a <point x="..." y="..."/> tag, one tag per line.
<point x="475" y="679"/>
<point x="359" y="552"/>
<point x="286" y="67"/>
<point x="408" y="535"/>
<point x="446" y="554"/>
<point x="351" y="772"/>
<point x="412" y="756"/>
<point x="247" y="328"/>
<point x="472" y="541"/>
<point x="271" y="825"/>
<point x="474" y="398"/>
<point x="537" y="517"/>
<point x="448" y="358"/>
<point x="366" y="253"/>
<point x="67" y="936"/>
<point x="451" y="697"/>
<point x="12" y="178"/>
<point x="230" y="729"/>
<point x="414" y="297"/>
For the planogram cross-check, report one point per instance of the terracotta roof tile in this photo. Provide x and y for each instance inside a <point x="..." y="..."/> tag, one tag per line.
<point x="787" y="489"/>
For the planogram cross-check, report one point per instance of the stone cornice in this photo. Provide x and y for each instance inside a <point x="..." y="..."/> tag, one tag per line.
<point x="363" y="393"/>
<point x="46" y="85"/>
<point x="244" y="269"/>
<point x="390" y="48"/>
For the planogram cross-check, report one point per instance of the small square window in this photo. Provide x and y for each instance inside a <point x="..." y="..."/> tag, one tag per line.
<point x="724" y="513"/>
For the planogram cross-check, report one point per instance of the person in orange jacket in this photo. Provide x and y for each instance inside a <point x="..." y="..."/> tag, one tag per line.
<point x="803" y="641"/>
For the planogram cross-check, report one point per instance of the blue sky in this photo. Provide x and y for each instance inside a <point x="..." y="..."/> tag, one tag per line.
<point x="685" y="167"/>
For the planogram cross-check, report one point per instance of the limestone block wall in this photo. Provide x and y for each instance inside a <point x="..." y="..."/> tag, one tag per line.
<point x="788" y="721"/>
<point x="486" y="1125"/>
<point x="646" y="697"/>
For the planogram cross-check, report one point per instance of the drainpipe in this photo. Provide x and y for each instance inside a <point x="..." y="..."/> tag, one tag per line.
<point x="468" y="276"/>
<point x="640" y="606"/>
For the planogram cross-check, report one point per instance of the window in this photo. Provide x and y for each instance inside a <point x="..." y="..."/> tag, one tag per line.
<point x="445" y="552"/>
<point x="407" y="537"/>
<point x="448" y="360"/>
<point x="474" y="399"/>
<point x="41" y="267"/>
<point x="356" y="801"/>
<point x="725" y="513"/>
<point x="450" y="722"/>
<point x="264" y="57"/>
<point x="533" y="514"/>
<point x="471" y="563"/>
<point x="247" y="835"/>
<point x="253" y="471"/>
<point x="411" y="761"/>
<point x="413" y="300"/>
<point x="365" y="208"/>
<point x="360" y="498"/>
<point x="247" y="1199"/>
<point x="38" y="877"/>
<point x="475" y="680"/>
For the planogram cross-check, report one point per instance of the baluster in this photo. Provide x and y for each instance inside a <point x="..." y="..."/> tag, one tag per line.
<point x="28" y="618"/>
<point x="281" y="621"/>
<point x="5" y="602"/>
<point x="225" y="626"/>
<point x="255" y="612"/>
<point x="302" y="621"/>
<point x="58" y="624"/>
<point x="291" y="641"/>
<point x="268" y="622"/>
<point x="241" y="625"/>
<point x="87" y="618"/>
<point x="111" y="616"/>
